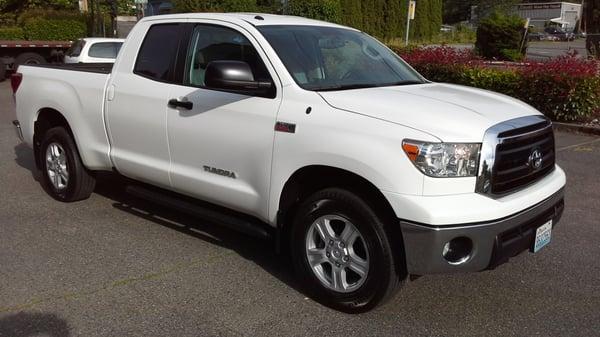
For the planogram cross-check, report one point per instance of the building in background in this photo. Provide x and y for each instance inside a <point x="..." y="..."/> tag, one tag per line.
<point x="563" y="14"/>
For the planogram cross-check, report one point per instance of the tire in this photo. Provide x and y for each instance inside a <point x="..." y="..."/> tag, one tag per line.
<point x="72" y="181"/>
<point x="29" y="58"/>
<point x="359" y="293"/>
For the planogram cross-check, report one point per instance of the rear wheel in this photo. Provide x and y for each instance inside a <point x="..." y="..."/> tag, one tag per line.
<point x="342" y="252"/>
<point x="63" y="174"/>
<point x="29" y="58"/>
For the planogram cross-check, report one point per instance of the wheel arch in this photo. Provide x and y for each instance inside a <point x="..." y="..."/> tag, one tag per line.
<point x="46" y="119"/>
<point x="310" y="179"/>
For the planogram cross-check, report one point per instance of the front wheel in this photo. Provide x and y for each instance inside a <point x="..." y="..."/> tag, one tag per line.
<point x="342" y="252"/>
<point x="63" y="174"/>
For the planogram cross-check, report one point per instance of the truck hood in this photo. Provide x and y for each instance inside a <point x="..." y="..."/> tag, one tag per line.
<point x="449" y="112"/>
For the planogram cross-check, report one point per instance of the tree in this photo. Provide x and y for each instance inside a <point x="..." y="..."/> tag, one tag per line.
<point x="455" y="11"/>
<point x="352" y="13"/>
<point x="8" y="6"/>
<point x="487" y="7"/>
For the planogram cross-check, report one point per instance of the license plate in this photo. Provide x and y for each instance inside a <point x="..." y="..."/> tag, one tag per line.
<point x="542" y="236"/>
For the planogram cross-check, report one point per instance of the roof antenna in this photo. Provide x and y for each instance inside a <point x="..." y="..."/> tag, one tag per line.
<point x="258" y="17"/>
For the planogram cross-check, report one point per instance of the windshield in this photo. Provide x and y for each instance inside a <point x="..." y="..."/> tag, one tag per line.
<point x="329" y="58"/>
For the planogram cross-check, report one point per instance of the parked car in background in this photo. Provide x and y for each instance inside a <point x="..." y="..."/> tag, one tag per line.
<point x="542" y="36"/>
<point x="94" y="50"/>
<point x="559" y="33"/>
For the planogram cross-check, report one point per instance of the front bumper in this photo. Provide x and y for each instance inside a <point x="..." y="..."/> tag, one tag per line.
<point x="494" y="242"/>
<point x="18" y="130"/>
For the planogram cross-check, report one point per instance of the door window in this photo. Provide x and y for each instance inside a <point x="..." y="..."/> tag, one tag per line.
<point x="215" y="43"/>
<point x="105" y="50"/>
<point x="156" y="56"/>
<point x="75" y="49"/>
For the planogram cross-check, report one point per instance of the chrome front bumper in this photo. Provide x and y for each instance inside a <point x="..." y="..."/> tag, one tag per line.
<point x="493" y="242"/>
<point x="18" y="130"/>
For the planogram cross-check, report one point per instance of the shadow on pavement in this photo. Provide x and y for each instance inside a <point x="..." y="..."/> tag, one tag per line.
<point x="26" y="324"/>
<point x="24" y="158"/>
<point x="112" y="186"/>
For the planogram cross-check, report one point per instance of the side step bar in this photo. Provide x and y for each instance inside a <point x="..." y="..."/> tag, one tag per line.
<point x="216" y="214"/>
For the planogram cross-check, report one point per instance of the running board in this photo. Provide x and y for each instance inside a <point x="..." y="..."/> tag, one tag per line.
<point x="216" y="214"/>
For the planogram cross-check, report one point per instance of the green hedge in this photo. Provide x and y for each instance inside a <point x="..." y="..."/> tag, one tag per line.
<point x="12" y="33"/>
<point x="326" y="10"/>
<point x="54" y="29"/>
<point x="53" y="25"/>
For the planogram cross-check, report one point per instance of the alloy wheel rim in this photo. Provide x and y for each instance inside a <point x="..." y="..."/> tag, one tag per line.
<point x="56" y="166"/>
<point x="337" y="253"/>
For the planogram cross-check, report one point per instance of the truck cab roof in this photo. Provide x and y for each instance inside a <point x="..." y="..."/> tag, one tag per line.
<point x="256" y="19"/>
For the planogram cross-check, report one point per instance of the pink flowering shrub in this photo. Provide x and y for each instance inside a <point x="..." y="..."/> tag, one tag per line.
<point x="564" y="89"/>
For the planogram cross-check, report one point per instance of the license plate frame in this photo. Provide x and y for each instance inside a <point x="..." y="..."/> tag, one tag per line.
<point x="543" y="236"/>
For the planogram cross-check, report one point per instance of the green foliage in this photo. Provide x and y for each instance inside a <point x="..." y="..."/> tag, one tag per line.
<point x="20" y="5"/>
<point x="499" y="37"/>
<point x="351" y="13"/>
<point x="382" y="18"/>
<point x="485" y="8"/>
<point x="214" y="5"/>
<point x="326" y="10"/>
<point x="53" y="25"/>
<point x="455" y="11"/>
<point x="11" y="33"/>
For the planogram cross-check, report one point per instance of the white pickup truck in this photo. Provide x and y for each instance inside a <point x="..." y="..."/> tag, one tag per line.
<point x="309" y="132"/>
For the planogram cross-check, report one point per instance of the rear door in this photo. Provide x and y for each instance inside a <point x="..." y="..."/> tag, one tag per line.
<point x="221" y="148"/>
<point x="136" y="112"/>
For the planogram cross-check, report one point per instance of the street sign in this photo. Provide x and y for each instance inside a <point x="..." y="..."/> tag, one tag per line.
<point x="412" y="6"/>
<point x="141" y="2"/>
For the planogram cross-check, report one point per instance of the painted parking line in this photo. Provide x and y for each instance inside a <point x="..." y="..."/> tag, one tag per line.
<point x="577" y="145"/>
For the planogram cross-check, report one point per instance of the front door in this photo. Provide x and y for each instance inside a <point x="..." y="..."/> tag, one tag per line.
<point x="221" y="147"/>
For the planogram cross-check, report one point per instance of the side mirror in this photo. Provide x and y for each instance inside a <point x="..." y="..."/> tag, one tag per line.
<point x="234" y="76"/>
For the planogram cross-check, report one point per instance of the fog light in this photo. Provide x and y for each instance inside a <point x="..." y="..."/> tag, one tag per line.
<point x="458" y="250"/>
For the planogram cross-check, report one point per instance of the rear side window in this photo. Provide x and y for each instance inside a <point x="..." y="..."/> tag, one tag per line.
<point x="158" y="51"/>
<point x="105" y="50"/>
<point x="75" y="49"/>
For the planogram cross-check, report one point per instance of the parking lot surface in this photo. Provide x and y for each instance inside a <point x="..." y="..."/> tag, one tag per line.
<point x="113" y="265"/>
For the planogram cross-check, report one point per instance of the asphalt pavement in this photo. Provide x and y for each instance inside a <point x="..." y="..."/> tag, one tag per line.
<point x="113" y="265"/>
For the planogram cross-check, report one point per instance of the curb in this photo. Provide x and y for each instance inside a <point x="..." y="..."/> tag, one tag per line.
<point x="589" y="130"/>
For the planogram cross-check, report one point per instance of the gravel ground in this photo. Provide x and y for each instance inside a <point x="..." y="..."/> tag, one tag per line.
<point x="116" y="266"/>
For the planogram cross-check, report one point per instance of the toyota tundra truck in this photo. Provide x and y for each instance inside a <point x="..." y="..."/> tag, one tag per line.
<point x="310" y="133"/>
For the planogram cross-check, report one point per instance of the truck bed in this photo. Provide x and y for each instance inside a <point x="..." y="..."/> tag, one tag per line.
<point x="100" y="68"/>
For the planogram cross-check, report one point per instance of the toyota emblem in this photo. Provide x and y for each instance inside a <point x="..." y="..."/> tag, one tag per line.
<point x="535" y="159"/>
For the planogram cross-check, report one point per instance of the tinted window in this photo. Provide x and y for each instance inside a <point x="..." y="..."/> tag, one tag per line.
<point x="327" y="58"/>
<point x="106" y="50"/>
<point x="75" y="49"/>
<point x="214" y="43"/>
<point x="158" y="51"/>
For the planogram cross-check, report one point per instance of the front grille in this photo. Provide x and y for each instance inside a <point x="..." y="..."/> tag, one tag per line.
<point x="514" y="167"/>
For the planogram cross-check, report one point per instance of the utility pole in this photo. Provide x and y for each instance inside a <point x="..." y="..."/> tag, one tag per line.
<point x="412" y="4"/>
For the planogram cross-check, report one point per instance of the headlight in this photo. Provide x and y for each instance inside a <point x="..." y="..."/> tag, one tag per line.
<point x="443" y="159"/>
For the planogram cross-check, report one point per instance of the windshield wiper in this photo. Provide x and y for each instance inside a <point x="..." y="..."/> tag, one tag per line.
<point x="365" y="85"/>
<point x="345" y="87"/>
